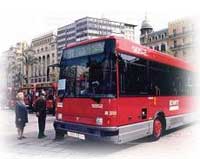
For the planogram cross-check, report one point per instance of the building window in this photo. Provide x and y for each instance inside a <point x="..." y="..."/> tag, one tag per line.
<point x="175" y="43"/>
<point x="52" y="46"/>
<point x="42" y="49"/>
<point x="40" y="65"/>
<point x="136" y="72"/>
<point x="149" y="39"/>
<point x="163" y="48"/>
<point x="163" y="36"/>
<point x="174" y="32"/>
<point x="44" y="62"/>
<point x="156" y="48"/>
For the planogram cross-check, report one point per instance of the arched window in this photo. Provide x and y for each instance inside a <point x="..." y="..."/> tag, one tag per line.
<point x="163" y="36"/>
<point x="149" y="39"/>
<point x="163" y="48"/>
<point x="156" y="48"/>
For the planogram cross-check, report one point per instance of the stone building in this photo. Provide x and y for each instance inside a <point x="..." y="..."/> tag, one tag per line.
<point x="156" y="40"/>
<point x="178" y="39"/>
<point x="44" y="48"/>
<point x="15" y="66"/>
<point x="181" y="39"/>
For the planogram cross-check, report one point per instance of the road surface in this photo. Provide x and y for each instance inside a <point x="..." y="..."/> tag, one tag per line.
<point x="182" y="143"/>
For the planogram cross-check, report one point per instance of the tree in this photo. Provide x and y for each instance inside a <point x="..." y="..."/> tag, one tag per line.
<point x="28" y="59"/>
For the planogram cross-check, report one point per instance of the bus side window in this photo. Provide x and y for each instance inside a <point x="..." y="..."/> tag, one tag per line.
<point x="133" y="75"/>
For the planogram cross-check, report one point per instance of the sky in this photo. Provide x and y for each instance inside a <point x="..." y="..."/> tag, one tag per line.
<point x="26" y="19"/>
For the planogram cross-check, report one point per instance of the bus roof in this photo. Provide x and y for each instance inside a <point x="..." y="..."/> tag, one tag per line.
<point x="126" y="46"/>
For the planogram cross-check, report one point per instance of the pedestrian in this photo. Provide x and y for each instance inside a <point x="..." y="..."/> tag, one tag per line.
<point x="40" y="106"/>
<point x="21" y="115"/>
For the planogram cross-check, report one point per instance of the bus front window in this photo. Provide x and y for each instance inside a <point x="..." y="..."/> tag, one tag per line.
<point x="89" y="71"/>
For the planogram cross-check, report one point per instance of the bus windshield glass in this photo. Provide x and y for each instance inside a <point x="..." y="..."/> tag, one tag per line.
<point x="88" y="71"/>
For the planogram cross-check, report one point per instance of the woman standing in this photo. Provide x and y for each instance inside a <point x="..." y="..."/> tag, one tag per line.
<point x="21" y="115"/>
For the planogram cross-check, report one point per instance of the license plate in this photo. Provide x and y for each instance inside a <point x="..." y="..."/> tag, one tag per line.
<point x="76" y="135"/>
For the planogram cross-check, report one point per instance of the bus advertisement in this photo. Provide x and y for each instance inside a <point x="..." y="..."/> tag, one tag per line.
<point x="112" y="89"/>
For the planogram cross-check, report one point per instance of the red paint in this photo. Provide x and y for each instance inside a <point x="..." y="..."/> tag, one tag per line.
<point x="79" y="110"/>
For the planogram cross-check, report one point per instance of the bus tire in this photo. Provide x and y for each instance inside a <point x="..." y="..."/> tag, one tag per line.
<point x="59" y="135"/>
<point x="158" y="128"/>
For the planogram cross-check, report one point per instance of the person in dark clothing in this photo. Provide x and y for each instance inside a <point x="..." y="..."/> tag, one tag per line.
<point x="40" y="107"/>
<point x="21" y="115"/>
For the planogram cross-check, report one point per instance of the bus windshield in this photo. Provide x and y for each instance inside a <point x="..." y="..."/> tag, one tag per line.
<point x="88" y="71"/>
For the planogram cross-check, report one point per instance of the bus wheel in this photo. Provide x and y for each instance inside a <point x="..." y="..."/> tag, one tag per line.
<point x="157" y="129"/>
<point x="59" y="135"/>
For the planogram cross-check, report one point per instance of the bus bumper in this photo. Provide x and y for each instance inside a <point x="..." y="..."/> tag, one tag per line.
<point x="117" y="135"/>
<point x="109" y="134"/>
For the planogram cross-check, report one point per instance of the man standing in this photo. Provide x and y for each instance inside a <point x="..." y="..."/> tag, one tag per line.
<point x="40" y="107"/>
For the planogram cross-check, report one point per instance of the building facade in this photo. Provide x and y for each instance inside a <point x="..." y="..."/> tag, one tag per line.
<point x="156" y="40"/>
<point x="45" y="51"/>
<point x="15" y="66"/>
<point x="88" y="28"/>
<point x="181" y="39"/>
<point x="178" y="39"/>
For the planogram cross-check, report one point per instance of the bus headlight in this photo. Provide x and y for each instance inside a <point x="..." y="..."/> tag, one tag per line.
<point x="59" y="116"/>
<point x="99" y="121"/>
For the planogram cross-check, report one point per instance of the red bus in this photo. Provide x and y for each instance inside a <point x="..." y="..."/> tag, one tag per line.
<point x="112" y="89"/>
<point x="32" y="90"/>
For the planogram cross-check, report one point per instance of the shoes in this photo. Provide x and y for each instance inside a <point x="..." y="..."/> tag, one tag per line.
<point x="22" y="137"/>
<point x="41" y="136"/>
<point x="19" y="138"/>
